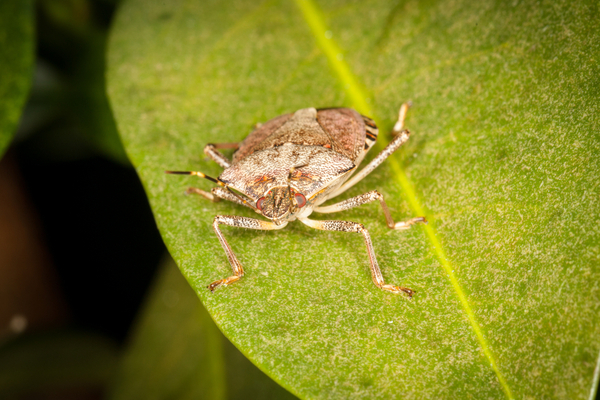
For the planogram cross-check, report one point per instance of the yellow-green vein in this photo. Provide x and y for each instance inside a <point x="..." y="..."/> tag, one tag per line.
<point x="358" y="96"/>
<point x="335" y="56"/>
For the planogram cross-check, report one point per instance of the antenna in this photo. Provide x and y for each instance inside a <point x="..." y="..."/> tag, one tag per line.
<point x="196" y="173"/>
<point x="218" y="182"/>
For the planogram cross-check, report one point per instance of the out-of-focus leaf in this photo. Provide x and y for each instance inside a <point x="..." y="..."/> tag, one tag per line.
<point x="16" y="63"/>
<point x="503" y="160"/>
<point x="88" y="100"/>
<point x="177" y="351"/>
<point x="68" y="115"/>
<point x="56" y="361"/>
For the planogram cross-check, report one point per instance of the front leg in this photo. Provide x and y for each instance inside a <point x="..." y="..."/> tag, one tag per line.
<point x="240" y="222"/>
<point x="347" y="226"/>
<point x="215" y="155"/>
<point x="368" y="198"/>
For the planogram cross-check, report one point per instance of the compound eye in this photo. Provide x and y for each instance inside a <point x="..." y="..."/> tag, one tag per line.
<point x="259" y="203"/>
<point x="300" y="200"/>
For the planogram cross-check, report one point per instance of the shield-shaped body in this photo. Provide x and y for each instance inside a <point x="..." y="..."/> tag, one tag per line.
<point x="286" y="168"/>
<point x="311" y="151"/>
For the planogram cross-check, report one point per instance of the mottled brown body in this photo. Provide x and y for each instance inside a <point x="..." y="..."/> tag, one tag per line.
<point x="286" y="168"/>
<point x="339" y="129"/>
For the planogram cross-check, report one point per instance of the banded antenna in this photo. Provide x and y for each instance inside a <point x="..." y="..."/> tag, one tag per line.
<point x="246" y="200"/>
<point x="197" y="173"/>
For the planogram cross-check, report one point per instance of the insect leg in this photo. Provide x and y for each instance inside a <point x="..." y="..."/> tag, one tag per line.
<point x="347" y="226"/>
<point x="401" y="116"/>
<point x="211" y="151"/>
<point x="368" y="198"/>
<point x="398" y="141"/>
<point x="203" y="193"/>
<point x="240" y="222"/>
<point x="228" y="195"/>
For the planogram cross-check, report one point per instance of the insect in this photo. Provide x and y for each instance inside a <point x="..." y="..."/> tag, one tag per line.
<point x="289" y="166"/>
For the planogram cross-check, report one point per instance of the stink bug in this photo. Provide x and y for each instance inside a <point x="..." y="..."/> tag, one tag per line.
<point x="289" y="166"/>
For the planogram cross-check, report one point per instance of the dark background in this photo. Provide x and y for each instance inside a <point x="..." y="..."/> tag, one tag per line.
<point x="79" y="245"/>
<point x="95" y="220"/>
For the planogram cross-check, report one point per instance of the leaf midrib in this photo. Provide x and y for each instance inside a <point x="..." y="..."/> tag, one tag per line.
<point x="313" y="16"/>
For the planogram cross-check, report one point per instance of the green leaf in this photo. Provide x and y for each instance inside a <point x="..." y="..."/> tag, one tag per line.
<point x="16" y="64"/>
<point x="177" y="352"/>
<point x="503" y="160"/>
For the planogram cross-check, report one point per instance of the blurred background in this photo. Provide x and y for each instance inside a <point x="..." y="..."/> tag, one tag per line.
<point x="79" y="245"/>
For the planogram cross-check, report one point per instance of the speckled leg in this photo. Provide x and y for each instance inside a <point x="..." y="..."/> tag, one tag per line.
<point x="240" y="222"/>
<point x="367" y="198"/>
<point x="347" y="226"/>
<point x="400" y="137"/>
<point x="203" y="193"/>
<point x="211" y="151"/>
<point x="218" y="193"/>
<point x="389" y="149"/>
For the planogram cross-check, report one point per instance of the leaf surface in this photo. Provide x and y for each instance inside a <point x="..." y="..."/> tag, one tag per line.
<point x="16" y="64"/>
<point x="503" y="160"/>
<point x="177" y="351"/>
